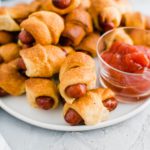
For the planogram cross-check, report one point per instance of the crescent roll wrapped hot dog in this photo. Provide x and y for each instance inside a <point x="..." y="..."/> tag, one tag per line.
<point x="134" y="19"/>
<point x="61" y="7"/>
<point x="117" y="35"/>
<point x="77" y="75"/>
<point x="7" y="23"/>
<point x="141" y="37"/>
<point x="88" y="109"/>
<point x="11" y="81"/>
<point x="42" y="61"/>
<point x="77" y="25"/>
<point x="21" y="11"/>
<point x="88" y="44"/>
<point x="11" y="17"/>
<point x="121" y="35"/>
<point x="107" y="14"/>
<point x="9" y="52"/>
<point x="44" y="27"/>
<point x="42" y="93"/>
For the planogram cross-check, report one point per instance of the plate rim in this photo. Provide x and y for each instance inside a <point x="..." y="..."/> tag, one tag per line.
<point x="73" y="128"/>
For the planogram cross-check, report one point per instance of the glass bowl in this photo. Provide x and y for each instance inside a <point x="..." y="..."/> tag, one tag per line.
<point x="129" y="87"/>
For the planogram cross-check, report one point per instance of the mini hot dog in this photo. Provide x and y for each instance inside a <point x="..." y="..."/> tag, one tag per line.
<point x="88" y="109"/>
<point x="25" y="37"/>
<point x="107" y="26"/>
<point x="11" y="81"/>
<point x="77" y="76"/>
<point x="61" y="4"/>
<point x="78" y="24"/>
<point x="46" y="97"/>
<point x="110" y="103"/>
<point x="61" y="7"/>
<point x="42" y="61"/>
<point x="45" y="102"/>
<point x="107" y="14"/>
<point x="76" y="91"/>
<point x="72" y="117"/>
<point x="45" y="32"/>
<point x="108" y="99"/>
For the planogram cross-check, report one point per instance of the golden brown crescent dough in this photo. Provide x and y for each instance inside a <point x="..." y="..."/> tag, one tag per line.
<point x="85" y="4"/>
<point x="46" y="27"/>
<point x="6" y="21"/>
<point x="49" y="5"/>
<point x="108" y="11"/>
<point x="6" y="37"/>
<point x="105" y="93"/>
<point x="134" y="19"/>
<point x="43" y="61"/>
<point x="37" y="87"/>
<point x="11" y="80"/>
<point x="9" y="51"/>
<point x="117" y="35"/>
<point x="77" y="25"/>
<point x="89" y="43"/>
<point x="23" y="10"/>
<point x="141" y="37"/>
<point x="78" y="68"/>
<point x="90" y="106"/>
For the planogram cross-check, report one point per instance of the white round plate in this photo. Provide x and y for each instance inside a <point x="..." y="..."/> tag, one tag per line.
<point x="53" y="119"/>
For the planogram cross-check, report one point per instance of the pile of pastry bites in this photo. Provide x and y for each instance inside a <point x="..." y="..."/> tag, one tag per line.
<point x="56" y="39"/>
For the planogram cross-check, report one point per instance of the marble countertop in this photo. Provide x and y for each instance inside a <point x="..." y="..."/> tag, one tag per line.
<point x="133" y="134"/>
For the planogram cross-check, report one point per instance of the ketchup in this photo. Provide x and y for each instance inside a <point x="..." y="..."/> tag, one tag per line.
<point x="132" y="59"/>
<point x="128" y="58"/>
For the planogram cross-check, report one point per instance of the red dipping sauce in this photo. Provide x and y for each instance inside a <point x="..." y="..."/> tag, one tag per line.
<point x="128" y="58"/>
<point x="129" y="71"/>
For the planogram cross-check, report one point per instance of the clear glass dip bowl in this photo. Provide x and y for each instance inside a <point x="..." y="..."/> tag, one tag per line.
<point x="129" y="87"/>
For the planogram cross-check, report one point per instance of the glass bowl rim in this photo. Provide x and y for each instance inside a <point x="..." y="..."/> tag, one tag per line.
<point x="115" y="69"/>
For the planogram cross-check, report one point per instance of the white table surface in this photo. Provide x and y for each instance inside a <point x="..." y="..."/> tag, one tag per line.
<point x="134" y="134"/>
